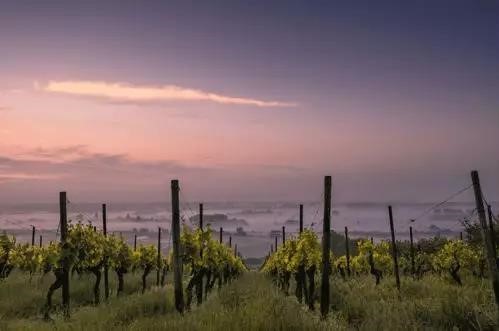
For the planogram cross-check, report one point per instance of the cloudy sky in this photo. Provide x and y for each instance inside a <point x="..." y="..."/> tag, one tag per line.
<point x="248" y="100"/>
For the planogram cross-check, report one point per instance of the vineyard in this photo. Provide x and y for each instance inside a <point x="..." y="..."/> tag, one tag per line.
<point x="436" y="265"/>
<point x="300" y="257"/>
<point x="305" y="283"/>
<point x="87" y="251"/>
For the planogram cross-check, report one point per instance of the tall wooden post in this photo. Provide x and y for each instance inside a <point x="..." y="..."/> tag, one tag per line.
<point x="135" y="242"/>
<point x="461" y="235"/>
<point x="158" y="262"/>
<point x="65" y="263"/>
<point x="33" y="231"/>
<point x="106" y="266"/>
<point x="413" y="265"/>
<point x="394" y="250"/>
<point x="489" y="249"/>
<point x="230" y="241"/>
<point x="271" y="248"/>
<point x="104" y="219"/>
<point x="301" y="286"/>
<point x="347" y="250"/>
<point x="326" y="247"/>
<point x="177" y="256"/>
<point x="275" y="244"/>
<point x="301" y="218"/>
<point x="201" y="216"/>
<point x="41" y="241"/>
<point x="371" y="257"/>
<point x="491" y="229"/>
<point x="283" y="235"/>
<point x="199" y="285"/>
<point x="221" y="241"/>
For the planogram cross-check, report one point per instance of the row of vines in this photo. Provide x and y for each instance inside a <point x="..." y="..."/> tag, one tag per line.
<point x="86" y="250"/>
<point x="299" y="258"/>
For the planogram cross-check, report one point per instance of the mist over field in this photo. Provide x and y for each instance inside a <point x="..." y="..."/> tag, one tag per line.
<point x="255" y="221"/>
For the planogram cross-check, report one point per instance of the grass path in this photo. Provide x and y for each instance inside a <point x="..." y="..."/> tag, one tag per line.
<point x="253" y="302"/>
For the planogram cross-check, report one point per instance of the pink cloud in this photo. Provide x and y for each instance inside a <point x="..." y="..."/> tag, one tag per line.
<point x="135" y="93"/>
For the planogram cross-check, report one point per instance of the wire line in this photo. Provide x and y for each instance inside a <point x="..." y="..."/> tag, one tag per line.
<point x="441" y="203"/>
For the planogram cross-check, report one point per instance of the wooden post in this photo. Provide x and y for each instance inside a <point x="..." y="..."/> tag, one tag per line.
<point x="41" y="241"/>
<point x="104" y="219"/>
<point x="491" y="229"/>
<point x="201" y="224"/>
<point x="271" y="248"/>
<point x="347" y="250"/>
<point x="461" y="235"/>
<point x="199" y="285"/>
<point x="221" y="241"/>
<point x="394" y="250"/>
<point x="230" y="241"/>
<point x="301" y="218"/>
<point x="65" y="263"/>
<point x="201" y="216"/>
<point x="489" y="249"/>
<point x="413" y="266"/>
<point x="301" y="281"/>
<point x="326" y="247"/>
<point x="177" y="256"/>
<point x="283" y="235"/>
<point x="371" y="258"/>
<point x="33" y="231"/>
<point x="135" y="242"/>
<point x="106" y="266"/>
<point x="275" y="244"/>
<point x="158" y="262"/>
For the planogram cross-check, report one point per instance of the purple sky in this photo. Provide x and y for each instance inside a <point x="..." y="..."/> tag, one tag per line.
<point x="248" y="100"/>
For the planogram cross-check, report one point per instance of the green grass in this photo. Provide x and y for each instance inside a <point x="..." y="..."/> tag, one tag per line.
<point x="24" y="297"/>
<point x="252" y="302"/>
<point x="429" y="304"/>
<point x="249" y="303"/>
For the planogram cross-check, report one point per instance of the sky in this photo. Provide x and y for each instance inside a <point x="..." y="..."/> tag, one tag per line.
<point x="248" y="100"/>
